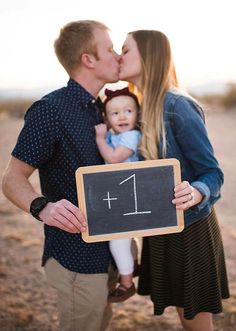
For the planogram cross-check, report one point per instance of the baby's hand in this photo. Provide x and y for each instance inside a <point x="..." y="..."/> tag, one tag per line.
<point x="101" y="130"/>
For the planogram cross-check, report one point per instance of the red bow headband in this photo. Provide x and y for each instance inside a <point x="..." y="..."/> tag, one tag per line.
<point x="125" y="91"/>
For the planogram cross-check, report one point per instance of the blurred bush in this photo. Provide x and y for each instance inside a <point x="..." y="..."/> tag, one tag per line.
<point x="15" y="107"/>
<point x="223" y="101"/>
<point x="229" y="98"/>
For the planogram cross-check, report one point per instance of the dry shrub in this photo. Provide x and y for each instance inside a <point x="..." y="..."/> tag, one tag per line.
<point x="15" y="107"/>
<point x="224" y="101"/>
<point x="229" y="99"/>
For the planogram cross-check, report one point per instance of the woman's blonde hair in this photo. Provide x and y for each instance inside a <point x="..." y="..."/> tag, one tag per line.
<point x="158" y="76"/>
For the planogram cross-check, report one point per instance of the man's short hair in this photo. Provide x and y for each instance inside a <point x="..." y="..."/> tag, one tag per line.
<point x="75" y="39"/>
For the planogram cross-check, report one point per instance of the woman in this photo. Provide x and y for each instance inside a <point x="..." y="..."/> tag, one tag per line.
<point x="185" y="270"/>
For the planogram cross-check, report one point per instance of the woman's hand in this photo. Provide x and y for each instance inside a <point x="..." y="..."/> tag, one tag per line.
<point x="186" y="196"/>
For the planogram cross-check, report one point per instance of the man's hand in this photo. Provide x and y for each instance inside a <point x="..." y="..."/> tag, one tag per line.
<point x="64" y="215"/>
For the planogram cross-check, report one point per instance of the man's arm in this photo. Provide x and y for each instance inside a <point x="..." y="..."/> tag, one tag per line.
<point x="18" y="189"/>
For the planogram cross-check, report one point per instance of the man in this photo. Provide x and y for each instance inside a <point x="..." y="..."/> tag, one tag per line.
<point x="58" y="137"/>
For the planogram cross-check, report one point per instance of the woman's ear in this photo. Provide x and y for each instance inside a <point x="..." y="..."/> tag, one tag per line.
<point x="88" y="60"/>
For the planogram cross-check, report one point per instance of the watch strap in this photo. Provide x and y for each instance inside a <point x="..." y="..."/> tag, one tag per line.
<point x="37" y="205"/>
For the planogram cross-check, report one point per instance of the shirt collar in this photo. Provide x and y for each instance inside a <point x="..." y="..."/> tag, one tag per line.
<point x="78" y="91"/>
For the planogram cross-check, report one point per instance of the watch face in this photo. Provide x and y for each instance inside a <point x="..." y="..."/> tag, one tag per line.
<point x="37" y="205"/>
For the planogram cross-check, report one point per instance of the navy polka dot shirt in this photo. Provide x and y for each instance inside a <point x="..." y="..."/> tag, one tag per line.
<point x="57" y="138"/>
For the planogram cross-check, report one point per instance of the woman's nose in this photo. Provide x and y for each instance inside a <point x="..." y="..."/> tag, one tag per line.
<point x="118" y="56"/>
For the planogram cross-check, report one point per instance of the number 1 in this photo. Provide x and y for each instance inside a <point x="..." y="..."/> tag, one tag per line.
<point x="135" y="198"/>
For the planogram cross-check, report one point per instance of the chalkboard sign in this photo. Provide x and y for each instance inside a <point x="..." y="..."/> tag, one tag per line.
<point x="130" y="199"/>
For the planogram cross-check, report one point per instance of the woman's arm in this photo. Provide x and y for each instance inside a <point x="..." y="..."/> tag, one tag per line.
<point x="192" y="138"/>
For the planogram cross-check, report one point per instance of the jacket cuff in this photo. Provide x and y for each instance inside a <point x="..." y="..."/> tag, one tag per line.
<point x="205" y="191"/>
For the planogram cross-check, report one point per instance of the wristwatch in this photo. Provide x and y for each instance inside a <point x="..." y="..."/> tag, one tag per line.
<point x="37" y="205"/>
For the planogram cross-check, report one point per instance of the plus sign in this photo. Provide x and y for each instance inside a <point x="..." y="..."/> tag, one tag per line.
<point x="108" y="199"/>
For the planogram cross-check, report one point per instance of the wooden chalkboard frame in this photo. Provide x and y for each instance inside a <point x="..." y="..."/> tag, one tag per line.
<point x="82" y="171"/>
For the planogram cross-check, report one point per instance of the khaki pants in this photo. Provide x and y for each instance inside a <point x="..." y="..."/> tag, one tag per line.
<point x="82" y="298"/>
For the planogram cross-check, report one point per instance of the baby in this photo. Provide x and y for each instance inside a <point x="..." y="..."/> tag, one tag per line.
<point x="120" y="144"/>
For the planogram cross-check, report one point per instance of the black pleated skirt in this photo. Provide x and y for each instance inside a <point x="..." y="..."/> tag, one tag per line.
<point x="185" y="269"/>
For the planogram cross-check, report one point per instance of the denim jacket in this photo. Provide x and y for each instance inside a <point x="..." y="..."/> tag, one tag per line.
<point x="187" y="141"/>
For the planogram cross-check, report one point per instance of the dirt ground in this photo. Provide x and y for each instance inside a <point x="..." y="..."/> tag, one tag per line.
<point x="27" y="303"/>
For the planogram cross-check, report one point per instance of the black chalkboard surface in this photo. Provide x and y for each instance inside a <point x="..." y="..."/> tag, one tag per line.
<point x="130" y="199"/>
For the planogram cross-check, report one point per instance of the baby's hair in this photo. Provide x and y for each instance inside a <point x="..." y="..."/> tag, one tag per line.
<point x="125" y="91"/>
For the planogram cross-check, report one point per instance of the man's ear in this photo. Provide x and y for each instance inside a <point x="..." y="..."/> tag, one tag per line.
<point x="88" y="60"/>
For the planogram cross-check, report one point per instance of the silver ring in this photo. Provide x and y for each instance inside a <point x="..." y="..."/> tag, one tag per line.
<point x="191" y="196"/>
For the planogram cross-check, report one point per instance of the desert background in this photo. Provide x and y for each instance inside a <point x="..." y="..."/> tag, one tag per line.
<point x="28" y="303"/>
